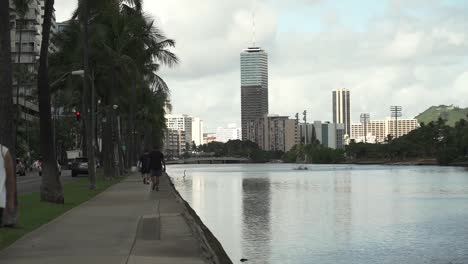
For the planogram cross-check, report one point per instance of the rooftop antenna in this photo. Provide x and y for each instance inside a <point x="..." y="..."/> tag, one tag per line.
<point x="253" y="23"/>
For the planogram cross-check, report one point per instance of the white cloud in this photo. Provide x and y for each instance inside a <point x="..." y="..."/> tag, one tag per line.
<point x="403" y="57"/>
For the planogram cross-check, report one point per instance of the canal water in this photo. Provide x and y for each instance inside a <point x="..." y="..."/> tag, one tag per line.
<point x="271" y="213"/>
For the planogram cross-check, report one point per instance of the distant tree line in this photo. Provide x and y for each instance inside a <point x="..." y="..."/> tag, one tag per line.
<point x="314" y="153"/>
<point x="433" y="140"/>
<point x="240" y="149"/>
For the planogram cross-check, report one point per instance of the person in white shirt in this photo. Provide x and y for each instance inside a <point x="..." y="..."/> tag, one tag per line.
<point x="7" y="182"/>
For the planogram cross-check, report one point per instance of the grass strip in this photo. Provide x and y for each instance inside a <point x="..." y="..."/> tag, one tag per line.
<point x="34" y="213"/>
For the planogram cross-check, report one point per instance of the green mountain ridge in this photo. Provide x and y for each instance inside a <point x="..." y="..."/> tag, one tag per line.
<point x="448" y="112"/>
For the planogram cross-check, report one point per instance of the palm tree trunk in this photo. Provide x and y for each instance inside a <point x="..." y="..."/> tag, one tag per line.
<point x="18" y="83"/>
<point x="51" y="187"/>
<point x="108" y="150"/>
<point x="88" y="102"/>
<point x="7" y="137"/>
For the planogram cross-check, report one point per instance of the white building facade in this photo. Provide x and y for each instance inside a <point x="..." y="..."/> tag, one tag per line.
<point x="379" y="130"/>
<point x="197" y="131"/>
<point x="231" y="132"/>
<point x="192" y="126"/>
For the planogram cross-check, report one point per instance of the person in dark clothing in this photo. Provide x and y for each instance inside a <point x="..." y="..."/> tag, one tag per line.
<point x="144" y="166"/>
<point x="157" y="166"/>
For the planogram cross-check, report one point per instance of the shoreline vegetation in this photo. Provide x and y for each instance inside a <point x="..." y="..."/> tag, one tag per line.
<point x="435" y="143"/>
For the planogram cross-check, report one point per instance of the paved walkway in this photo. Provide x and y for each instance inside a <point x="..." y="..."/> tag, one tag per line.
<point x="128" y="223"/>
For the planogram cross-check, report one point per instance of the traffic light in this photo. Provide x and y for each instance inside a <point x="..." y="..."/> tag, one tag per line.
<point x="78" y="116"/>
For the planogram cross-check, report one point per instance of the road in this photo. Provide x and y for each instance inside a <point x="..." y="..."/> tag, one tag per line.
<point x="32" y="182"/>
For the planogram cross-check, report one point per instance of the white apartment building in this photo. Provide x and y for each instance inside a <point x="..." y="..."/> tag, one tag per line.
<point x="378" y="130"/>
<point x="197" y="131"/>
<point x="400" y="128"/>
<point x="193" y="127"/>
<point x="231" y="132"/>
<point x="180" y="122"/>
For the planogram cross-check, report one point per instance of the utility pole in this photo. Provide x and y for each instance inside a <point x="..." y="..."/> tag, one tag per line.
<point x="365" y="117"/>
<point x="395" y="112"/>
<point x="305" y="124"/>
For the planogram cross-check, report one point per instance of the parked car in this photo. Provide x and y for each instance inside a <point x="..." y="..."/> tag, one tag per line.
<point x="20" y="168"/>
<point x="79" y="166"/>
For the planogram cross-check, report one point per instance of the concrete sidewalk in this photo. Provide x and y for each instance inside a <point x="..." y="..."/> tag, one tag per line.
<point x="128" y="223"/>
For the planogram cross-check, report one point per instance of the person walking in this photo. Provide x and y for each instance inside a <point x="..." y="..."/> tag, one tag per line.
<point x="157" y="166"/>
<point x="7" y="183"/>
<point x="144" y="166"/>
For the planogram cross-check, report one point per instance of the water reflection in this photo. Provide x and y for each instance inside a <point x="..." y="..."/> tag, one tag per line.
<point x="256" y="200"/>
<point x="332" y="214"/>
<point x="342" y="204"/>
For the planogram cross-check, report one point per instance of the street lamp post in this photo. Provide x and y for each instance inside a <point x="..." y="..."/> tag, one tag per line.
<point x="305" y="124"/>
<point x="54" y="103"/>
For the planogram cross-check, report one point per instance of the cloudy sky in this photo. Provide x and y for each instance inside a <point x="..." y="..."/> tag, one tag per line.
<point x="412" y="53"/>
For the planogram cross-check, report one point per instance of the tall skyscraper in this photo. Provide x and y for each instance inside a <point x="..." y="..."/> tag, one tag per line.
<point x="342" y="109"/>
<point x="254" y="86"/>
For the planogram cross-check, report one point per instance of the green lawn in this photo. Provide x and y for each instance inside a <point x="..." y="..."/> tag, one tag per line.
<point x="34" y="213"/>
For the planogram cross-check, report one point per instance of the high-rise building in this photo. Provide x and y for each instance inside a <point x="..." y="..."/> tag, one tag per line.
<point x="174" y="142"/>
<point x="197" y="131"/>
<point x="254" y="86"/>
<point x="181" y="123"/>
<point x="192" y="126"/>
<point x="378" y="130"/>
<point x="342" y="109"/>
<point x="330" y="135"/>
<point x="231" y="132"/>
<point x="274" y="132"/>
<point x="30" y="27"/>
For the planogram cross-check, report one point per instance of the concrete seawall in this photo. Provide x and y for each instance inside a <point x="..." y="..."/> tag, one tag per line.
<point x="212" y="249"/>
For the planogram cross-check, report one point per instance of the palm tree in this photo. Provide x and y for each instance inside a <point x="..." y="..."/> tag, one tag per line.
<point x="6" y="82"/>
<point x="51" y="187"/>
<point x="125" y="52"/>
<point x="84" y="10"/>
<point x="88" y="99"/>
